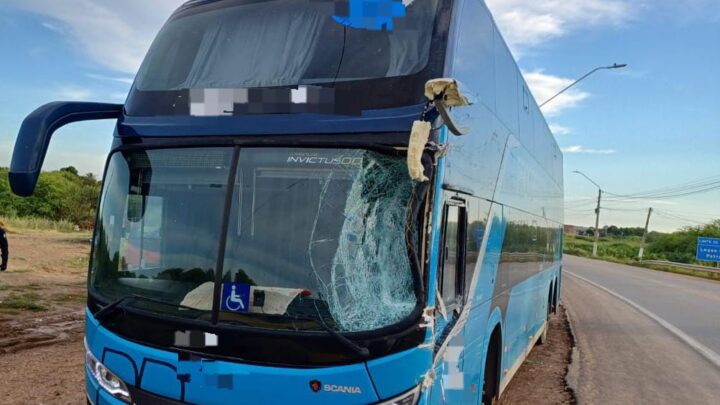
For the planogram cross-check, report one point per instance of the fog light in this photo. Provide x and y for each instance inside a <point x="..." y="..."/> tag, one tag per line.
<point x="107" y="380"/>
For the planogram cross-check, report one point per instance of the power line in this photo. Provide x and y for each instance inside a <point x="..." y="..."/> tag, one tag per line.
<point x="679" y="218"/>
<point x="681" y="190"/>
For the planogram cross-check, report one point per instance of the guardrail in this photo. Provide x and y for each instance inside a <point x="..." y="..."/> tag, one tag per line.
<point x="682" y="265"/>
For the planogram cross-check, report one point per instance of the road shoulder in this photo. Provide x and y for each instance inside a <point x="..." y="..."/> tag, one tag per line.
<point x="541" y="378"/>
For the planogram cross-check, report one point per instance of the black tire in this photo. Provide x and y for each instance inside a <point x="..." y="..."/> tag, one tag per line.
<point x="491" y="379"/>
<point x="543" y="338"/>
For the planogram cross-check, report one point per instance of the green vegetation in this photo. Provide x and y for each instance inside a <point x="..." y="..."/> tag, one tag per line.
<point x="37" y="224"/>
<point x="611" y="248"/>
<point x="688" y="272"/>
<point x="678" y="247"/>
<point x="681" y="246"/>
<point x="62" y="200"/>
<point x="25" y="301"/>
<point x="69" y="298"/>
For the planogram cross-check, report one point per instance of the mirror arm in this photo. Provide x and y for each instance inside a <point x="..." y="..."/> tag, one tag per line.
<point x="37" y="130"/>
<point x="445" y="114"/>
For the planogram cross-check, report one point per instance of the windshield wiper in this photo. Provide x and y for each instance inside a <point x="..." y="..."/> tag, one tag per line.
<point x="360" y="350"/>
<point x="110" y="308"/>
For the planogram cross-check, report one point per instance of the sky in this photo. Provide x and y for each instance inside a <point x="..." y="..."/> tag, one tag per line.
<point x="649" y="127"/>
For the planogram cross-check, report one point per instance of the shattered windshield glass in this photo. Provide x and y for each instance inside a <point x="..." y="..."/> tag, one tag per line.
<point x="312" y="233"/>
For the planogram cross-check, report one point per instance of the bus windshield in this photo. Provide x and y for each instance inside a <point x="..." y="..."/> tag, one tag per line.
<point x="311" y="233"/>
<point x="244" y="44"/>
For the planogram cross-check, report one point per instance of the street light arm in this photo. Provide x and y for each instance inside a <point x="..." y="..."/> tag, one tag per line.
<point x="615" y="66"/>
<point x="589" y="179"/>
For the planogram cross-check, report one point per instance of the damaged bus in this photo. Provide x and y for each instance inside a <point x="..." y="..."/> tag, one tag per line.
<point x="318" y="202"/>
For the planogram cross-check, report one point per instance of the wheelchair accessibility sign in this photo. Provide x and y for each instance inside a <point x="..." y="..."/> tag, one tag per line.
<point x="235" y="297"/>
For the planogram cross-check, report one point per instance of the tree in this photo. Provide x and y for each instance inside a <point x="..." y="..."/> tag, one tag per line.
<point x="59" y="195"/>
<point x="70" y="169"/>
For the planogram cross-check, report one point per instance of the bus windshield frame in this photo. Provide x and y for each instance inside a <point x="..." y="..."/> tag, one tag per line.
<point x="225" y="185"/>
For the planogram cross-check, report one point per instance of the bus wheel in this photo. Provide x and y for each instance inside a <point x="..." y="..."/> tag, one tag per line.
<point x="543" y="338"/>
<point x="491" y="380"/>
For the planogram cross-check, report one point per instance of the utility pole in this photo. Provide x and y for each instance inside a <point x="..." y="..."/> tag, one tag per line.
<point x="597" y="212"/>
<point x="645" y="234"/>
<point x="597" y="224"/>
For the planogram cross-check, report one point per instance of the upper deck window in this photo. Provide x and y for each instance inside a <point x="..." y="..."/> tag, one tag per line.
<point x="238" y="44"/>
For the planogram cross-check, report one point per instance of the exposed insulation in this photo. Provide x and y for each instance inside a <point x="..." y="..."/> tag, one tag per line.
<point x="418" y="139"/>
<point x="449" y="89"/>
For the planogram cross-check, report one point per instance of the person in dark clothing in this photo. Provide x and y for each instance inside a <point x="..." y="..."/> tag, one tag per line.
<point x="3" y="247"/>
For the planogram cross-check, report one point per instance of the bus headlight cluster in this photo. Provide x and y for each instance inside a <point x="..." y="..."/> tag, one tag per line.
<point x="107" y="380"/>
<point x="408" y="398"/>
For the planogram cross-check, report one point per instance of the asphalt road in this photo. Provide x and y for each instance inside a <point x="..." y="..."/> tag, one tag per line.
<point x="643" y="337"/>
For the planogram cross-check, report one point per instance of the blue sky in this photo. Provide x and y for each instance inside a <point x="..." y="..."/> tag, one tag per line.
<point x="652" y="125"/>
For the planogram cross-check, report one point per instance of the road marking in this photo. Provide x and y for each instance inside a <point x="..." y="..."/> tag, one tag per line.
<point x="703" y="350"/>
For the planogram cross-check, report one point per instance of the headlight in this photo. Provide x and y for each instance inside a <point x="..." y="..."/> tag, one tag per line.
<point x="409" y="398"/>
<point x="107" y="380"/>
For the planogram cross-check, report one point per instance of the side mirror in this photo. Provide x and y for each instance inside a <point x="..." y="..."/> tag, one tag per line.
<point x="37" y="130"/>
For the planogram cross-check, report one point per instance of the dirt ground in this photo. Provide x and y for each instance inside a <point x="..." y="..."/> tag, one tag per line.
<point x="42" y="300"/>
<point x="541" y="379"/>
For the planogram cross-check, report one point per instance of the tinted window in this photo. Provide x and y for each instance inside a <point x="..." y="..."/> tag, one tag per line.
<point x="282" y="43"/>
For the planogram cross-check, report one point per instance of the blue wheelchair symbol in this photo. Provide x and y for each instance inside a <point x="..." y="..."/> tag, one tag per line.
<point x="235" y="297"/>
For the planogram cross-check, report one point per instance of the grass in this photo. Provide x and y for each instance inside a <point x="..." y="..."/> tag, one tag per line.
<point x="69" y="298"/>
<point x="79" y="262"/>
<point x="680" y="270"/>
<point x="612" y="249"/>
<point x="26" y="301"/>
<point x="28" y="287"/>
<point x="624" y="251"/>
<point x="39" y="224"/>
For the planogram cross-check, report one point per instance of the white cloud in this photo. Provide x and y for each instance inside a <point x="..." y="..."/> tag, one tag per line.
<point x="527" y="23"/>
<point x="53" y="27"/>
<point x="74" y="93"/>
<point x="545" y="86"/>
<point x="119" y="96"/>
<point x="581" y="149"/>
<point x="559" y="130"/>
<point x="123" y="80"/>
<point x="114" y="33"/>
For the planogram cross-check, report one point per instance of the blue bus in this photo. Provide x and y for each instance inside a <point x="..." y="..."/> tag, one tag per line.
<point x="295" y="209"/>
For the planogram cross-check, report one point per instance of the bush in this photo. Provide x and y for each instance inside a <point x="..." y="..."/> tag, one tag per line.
<point x="62" y="196"/>
<point x="681" y="246"/>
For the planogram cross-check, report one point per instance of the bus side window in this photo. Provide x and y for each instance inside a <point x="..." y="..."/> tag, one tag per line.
<point x="452" y="274"/>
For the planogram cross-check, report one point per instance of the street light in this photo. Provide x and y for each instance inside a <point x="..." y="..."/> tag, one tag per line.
<point x="614" y="66"/>
<point x="597" y="212"/>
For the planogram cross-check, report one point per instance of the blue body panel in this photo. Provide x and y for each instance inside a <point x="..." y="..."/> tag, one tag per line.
<point x="219" y="382"/>
<point x="398" y="373"/>
<point x="388" y="120"/>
